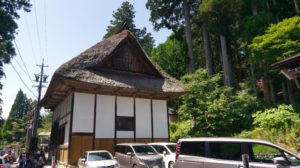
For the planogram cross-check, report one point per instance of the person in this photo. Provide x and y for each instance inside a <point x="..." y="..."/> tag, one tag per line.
<point x="21" y="160"/>
<point x="28" y="162"/>
<point x="40" y="159"/>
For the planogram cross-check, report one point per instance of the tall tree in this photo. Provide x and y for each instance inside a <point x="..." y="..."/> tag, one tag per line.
<point x="13" y="128"/>
<point x="171" y="57"/>
<point x="125" y="15"/>
<point x="171" y="14"/>
<point x="222" y="14"/>
<point x="8" y="27"/>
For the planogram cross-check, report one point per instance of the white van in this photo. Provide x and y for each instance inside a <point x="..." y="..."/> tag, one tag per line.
<point x="167" y="151"/>
<point x="227" y="152"/>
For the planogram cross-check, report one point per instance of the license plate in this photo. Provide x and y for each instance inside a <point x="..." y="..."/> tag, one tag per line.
<point x="156" y="166"/>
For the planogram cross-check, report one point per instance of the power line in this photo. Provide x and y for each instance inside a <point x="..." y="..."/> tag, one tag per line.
<point x="22" y="80"/>
<point x="30" y="39"/>
<point x="26" y="72"/>
<point x="37" y="28"/>
<point x="45" y="9"/>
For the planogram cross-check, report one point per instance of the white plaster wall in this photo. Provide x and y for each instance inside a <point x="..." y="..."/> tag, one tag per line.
<point x="125" y="134"/>
<point x="143" y="118"/>
<point x="105" y="117"/>
<point x="125" y="106"/>
<point x="83" y="114"/>
<point x="69" y="102"/>
<point x="160" y="119"/>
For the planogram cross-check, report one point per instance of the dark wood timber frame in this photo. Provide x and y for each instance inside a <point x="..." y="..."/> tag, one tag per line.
<point x="152" y="133"/>
<point x="95" y="115"/>
<point x="71" y="125"/>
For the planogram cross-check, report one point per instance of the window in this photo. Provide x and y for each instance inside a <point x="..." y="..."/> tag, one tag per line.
<point x="172" y="148"/>
<point x="120" y="149"/>
<point x="144" y="150"/>
<point x="225" y="150"/>
<point x="125" y="123"/>
<point x="264" y="153"/>
<point x="96" y="156"/>
<point x="61" y="135"/>
<point x="192" y="148"/>
<point x="160" y="149"/>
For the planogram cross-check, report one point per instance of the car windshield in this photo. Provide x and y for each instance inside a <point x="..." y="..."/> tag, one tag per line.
<point x="172" y="148"/>
<point x="144" y="150"/>
<point x="96" y="156"/>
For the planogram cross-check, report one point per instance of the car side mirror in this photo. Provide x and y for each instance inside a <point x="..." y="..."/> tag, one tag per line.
<point x="164" y="153"/>
<point x="130" y="154"/>
<point x="280" y="161"/>
<point x="82" y="160"/>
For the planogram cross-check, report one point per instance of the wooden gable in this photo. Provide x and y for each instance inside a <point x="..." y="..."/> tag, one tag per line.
<point x="126" y="58"/>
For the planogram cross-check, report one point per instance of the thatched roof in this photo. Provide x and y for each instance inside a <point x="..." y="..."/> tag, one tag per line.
<point x="116" y="66"/>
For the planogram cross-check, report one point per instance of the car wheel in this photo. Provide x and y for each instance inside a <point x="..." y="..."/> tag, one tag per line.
<point x="171" y="164"/>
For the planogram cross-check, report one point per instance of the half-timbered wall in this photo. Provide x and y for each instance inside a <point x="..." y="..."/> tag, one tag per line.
<point x="96" y="122"/>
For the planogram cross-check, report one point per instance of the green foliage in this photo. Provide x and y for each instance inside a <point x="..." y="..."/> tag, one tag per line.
<point x="179" y="130"/>
<point x="8" y="27"/>
<point x="280" y="40"/>
<point x="212" y="107"/>
<point x="279" y="125"/>
<point x="278" y="118"/>
<point x="46" y="122"/>
<point x="14" y="127"/>
<point x="168" y="13"/>
<point x="171" y="57"/>
<point x="126" y="14"/>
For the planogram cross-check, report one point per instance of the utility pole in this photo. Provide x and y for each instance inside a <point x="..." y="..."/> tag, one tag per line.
<point x="40" y="78"/>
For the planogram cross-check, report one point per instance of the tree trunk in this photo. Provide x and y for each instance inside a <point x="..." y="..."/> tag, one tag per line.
<point x="207" y="49"/>
<point x="276" y="16"/>
<point x="272" y="93"/>
<point x="253" y="80"/>
<point x="267" y="97"/>
<point x="226" y="62"/>
<point x="290" y="91"/>
<point x="296" y="6"/>
<point x="188" y="33"/>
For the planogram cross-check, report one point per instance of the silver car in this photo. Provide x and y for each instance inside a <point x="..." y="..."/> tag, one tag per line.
<point x="134" y="155"/>
<point x="227" y="153"/>
<point x="97" y="159"/>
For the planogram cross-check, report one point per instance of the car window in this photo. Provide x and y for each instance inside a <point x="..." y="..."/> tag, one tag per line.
<point x="292" y="159"/>
<point x="264" y="153"/>
<point x="225" y="150"/>
<point x="192" y="148"/>
<point x="1" y="161"/>
<point x="83" y="156"/>
<point x="96" y="156"/>
<point x="128" y="149"/>
<point x="144" y="150"/>
<point x="160" y="149"/>
<point x="172" y="148"/>
<point x="120" y="149"/>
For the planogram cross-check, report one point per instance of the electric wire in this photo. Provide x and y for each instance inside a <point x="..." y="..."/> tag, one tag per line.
<point x="29" y="37"/>
<point x="26" y="70"/>
<point x="45" y="10"/>
<point x="23" y="80"/>
<point x="37" y="28"/>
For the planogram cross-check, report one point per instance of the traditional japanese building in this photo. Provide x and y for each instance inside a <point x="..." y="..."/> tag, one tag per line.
<point x="111" y="93"/>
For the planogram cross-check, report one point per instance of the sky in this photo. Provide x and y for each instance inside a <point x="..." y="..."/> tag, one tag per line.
<point x="56" y="31"/>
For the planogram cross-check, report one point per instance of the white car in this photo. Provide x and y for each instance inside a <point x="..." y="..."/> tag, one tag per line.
<point x="167" y="151"/>
<point x="4" y="163"/>
<point x="97" y="159"/>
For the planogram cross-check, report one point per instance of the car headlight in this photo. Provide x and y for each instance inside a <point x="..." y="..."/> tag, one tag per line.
<point x="142" y="162"/>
